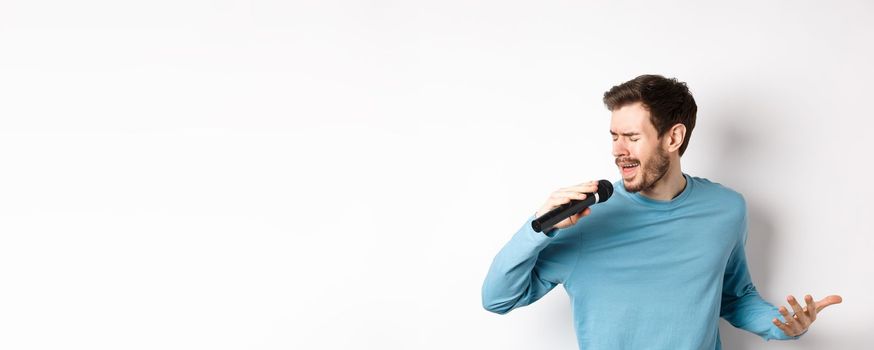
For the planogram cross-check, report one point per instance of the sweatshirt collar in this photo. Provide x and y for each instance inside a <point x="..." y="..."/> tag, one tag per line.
<point x="656" y="203"/>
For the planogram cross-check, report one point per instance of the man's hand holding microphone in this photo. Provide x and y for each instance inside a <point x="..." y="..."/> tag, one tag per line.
<point x="566" y="206"/>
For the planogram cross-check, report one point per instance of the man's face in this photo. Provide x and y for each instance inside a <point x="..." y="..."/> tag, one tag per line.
<point x="639" y="155"/>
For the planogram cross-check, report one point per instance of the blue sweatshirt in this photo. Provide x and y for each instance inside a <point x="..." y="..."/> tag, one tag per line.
<point x="642" y="273"/>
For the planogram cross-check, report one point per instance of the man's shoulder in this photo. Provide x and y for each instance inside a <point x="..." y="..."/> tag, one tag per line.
<point x="718" y="191"/>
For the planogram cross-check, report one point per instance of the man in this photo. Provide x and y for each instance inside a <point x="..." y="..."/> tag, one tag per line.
<point x="655" y="266"/>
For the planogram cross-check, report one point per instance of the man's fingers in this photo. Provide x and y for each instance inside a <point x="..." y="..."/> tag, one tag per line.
<point x="793" y="324"/>
<point x="811" y="308"/>
<point x="572" y="195"/>
<point x="785" y="313"/>
<point x="585" y="184"/>
<point x="583" y="189"/>
<point x="590" y="187"/>
<point x="799" y="314"/>
<point x="593" y="182"/>
<point x="783" y="327"/>
<point x="829" y="300"/>
<point x="576" y="217"/>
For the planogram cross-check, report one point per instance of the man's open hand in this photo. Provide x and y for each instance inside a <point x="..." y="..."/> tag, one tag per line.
<point x="801" y="320"/>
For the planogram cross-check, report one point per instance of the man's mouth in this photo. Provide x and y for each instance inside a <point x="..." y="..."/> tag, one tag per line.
<point x="629" y="169"/>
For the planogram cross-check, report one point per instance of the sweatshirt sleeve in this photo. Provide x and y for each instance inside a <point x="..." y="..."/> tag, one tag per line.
<point x="527" y="267"/>
<point x="741" y="304"/>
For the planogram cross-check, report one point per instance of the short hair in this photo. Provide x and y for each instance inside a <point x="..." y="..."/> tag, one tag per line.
<point x="668" y="101"/>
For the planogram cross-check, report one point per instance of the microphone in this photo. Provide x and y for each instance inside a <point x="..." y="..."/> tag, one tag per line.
<point x="564" y="211"/>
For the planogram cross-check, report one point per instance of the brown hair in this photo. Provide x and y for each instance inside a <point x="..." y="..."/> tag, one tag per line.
<point x="668" y="101"/>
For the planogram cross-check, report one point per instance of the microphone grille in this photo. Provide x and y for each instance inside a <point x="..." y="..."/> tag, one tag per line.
<point x="605" y="190"/>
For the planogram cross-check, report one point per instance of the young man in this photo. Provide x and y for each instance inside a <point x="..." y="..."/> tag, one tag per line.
<point x="655" y="266"/>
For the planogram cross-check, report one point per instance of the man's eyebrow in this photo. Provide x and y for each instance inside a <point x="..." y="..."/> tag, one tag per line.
<point x="625" y="133"/>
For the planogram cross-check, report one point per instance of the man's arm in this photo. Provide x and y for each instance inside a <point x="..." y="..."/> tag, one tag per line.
<point x="741" y="304"/>
<point x="526" y="268"/>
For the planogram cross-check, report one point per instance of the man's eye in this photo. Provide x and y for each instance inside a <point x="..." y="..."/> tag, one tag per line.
<point x="634" y="139"/>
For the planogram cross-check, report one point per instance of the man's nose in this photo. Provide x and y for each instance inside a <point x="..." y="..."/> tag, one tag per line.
<point x="619" y="149"/>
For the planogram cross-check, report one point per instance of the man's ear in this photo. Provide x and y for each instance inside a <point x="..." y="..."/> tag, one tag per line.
<point x="675" y="138"/>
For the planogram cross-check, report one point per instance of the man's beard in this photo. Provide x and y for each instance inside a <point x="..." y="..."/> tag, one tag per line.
<point x="655" y="169"/>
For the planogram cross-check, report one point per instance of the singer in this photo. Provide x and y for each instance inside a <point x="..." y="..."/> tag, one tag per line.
<point x="656" y="265"/>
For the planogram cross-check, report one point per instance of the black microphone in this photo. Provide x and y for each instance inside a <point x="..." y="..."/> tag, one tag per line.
<point x="564" y="211"/>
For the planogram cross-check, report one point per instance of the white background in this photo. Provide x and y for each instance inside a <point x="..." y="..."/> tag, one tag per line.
<point x="339" y="175"/>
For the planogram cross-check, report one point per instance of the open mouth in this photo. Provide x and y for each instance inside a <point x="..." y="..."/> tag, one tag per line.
<point x="629" y="169"/>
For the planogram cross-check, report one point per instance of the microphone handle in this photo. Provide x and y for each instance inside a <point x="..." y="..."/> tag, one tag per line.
<point x="561" y="212"/>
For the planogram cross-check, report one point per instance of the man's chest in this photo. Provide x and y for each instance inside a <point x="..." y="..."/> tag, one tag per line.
<point x="661" y="248"/>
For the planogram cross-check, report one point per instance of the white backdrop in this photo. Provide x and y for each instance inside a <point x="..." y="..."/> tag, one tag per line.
<point x="331" y="175"/>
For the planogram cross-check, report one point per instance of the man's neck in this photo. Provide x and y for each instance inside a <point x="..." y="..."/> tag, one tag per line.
<point x="669" y="186"/>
